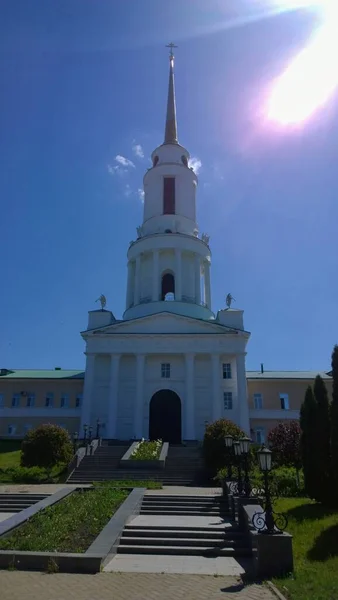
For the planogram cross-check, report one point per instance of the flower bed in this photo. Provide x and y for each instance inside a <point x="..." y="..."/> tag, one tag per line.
<point x="71" y="525"/>
<point x="147" y="450"/>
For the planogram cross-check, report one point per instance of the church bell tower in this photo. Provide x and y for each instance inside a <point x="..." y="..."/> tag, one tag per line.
<point x="169" y="263"/>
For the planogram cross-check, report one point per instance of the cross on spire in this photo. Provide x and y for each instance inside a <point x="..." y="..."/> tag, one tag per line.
<point x="171" y="46"/>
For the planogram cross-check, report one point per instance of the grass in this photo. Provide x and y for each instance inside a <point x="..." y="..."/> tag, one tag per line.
<point x="69" y="526"/>
<point x="149" y="485"/>
<point x="315" y="550"/>
<point x="9" y="453"/>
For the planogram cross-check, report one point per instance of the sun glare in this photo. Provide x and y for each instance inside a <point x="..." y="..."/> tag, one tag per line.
<point x="312" y="77"/>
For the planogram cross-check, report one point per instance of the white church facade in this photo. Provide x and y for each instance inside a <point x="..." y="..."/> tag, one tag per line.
<point x="170" y="365"/>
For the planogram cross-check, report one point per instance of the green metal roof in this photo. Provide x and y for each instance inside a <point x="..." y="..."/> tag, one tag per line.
<point x="287" y="374"/>
<point x="40" y="374"/>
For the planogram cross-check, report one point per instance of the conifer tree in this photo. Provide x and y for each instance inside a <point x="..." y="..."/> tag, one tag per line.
<point x="322" y="441"/>
<point x="308" y="417"/>
<point x="334" y="427"/>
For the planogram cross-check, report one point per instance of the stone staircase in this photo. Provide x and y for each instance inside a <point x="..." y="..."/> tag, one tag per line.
<point x="194" y="538"/>
<point x="184" y="466"/>
<point x="13" y="503"/>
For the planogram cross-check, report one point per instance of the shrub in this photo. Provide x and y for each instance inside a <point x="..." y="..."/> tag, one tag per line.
<point x="30" y="474"/>
<point x="285" y="482"/>
<point x="147" y="450"/>
<point x="46" y="446"/>
<point x="284" y="442"/>
<point x="215" y="453"/>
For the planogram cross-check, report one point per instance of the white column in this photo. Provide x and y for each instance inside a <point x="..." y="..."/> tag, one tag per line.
<point x="178" y="274"/>
<point x="156" y="276"/>
<point x="139" y="397"/>
<point x="242" y="395"/>
<point x="137" y="280"/>
<point x="113" y="396"/>
<point x="87" y="392"/>
<point x="197" y="279"/>
<point x="207" y="284"/>
<point x="189" y="395"/>
<point x="216" y="387"/>
<point x="129" y="298"/>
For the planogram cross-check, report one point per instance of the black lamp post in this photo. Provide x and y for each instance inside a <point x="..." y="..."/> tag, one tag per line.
<point x="90" y="431"/>
<point x="85" y="429"/>
<point x="75" y="440"/>
<point x="98" y="426"/>
<point x="265" y="463"/>
<point x="229" y="440"/>
<point x="237" y="449"/>
<point x="245" y="446"/>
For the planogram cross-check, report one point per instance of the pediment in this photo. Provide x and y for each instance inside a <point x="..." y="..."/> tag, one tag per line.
<point x="165" y="323"/>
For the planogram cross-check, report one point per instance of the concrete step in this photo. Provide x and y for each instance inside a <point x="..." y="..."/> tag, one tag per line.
<point x="185" y="542"/>
<point x="201" y="550"/>
<point x="201" y="528"/>
<point x="215" y="534"/>
<point x="186" y="512"/>
<point x="176" y="506"/>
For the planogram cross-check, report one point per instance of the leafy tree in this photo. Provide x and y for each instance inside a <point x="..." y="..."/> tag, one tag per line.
<point x="308" y="424"/>
<point x="46" y="446"/>
<point x="334" y="426"/>
<point x="215" y="453"/>
<point x="322" y="441"/>
<point x="284" y="442"/>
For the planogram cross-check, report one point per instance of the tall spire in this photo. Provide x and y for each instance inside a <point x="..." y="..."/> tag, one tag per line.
<point x="170" y="136"/>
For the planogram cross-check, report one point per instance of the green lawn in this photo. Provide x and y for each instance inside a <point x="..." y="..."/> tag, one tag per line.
<point x="9" y="453"/>
<point x="315" y="550"/>
<point x="69" y="526"/>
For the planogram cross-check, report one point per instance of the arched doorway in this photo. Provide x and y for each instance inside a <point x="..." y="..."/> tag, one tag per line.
<point x="165" y="417"/>
<point x="168" y="286"/>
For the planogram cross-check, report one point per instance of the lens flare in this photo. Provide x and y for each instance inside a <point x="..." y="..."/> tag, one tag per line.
<point x="311" y="78"/>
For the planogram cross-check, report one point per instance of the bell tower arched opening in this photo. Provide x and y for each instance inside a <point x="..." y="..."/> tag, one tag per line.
<point x="168" y="287"/>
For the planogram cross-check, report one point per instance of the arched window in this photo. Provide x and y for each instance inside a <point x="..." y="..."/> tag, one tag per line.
<point x="184" y="160"/>
<point x="155" y="161"/>
<point x="168" y="287"/>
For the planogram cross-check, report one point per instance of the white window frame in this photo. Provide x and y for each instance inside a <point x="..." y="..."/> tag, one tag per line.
<point x="64" y="401"/>
<point x="30" y="402"/>
<point x="2" y="400"/>
<point x="16" y="400"/>
<point x="284" y="401"/>
<point x="226" y="371"/>
<point x="27" y="427"/>
<point x="228" y="400"/>
<point x="50" y="398"/>
<point x="258" y="401"/>
<point x="260" y="436"/>
<point x="165" y="370"/>
<point x="11" y="429"/>
<point x="78" y="400"/>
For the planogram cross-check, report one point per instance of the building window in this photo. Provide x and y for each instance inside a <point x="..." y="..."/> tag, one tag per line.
<point x="49" y="400"/>
<point x="260" y="435"/>
<point x="11" y="429"/>
<point x="168" y="287"/>
<point x="258" y="401"/>
<point x="165" y="370"/>
<point x="27" y="428"/>
<point x="16" y="400"/>
<point x="64" y="403"/>
<point x="226" y="371"/>
<point x="227" y="398"/>
<point x="284" y="401"/>
<point x="63" y="426"/>
<point x="2" y="400"/>
<point x="78" y="401"/>
<point x="30" y="400"/>
<point x="169" y="195"/>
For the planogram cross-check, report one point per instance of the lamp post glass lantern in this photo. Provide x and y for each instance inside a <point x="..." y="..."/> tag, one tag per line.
<point x="265" y="459"/>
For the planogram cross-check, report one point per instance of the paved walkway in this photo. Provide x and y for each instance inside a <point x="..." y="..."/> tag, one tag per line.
<point x="16" y="585"/>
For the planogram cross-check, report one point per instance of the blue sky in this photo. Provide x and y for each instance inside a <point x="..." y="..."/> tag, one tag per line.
<point x="84" y="81"/>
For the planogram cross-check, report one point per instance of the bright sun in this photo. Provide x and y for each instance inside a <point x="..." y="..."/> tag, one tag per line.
<point x="312" y="77"/>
